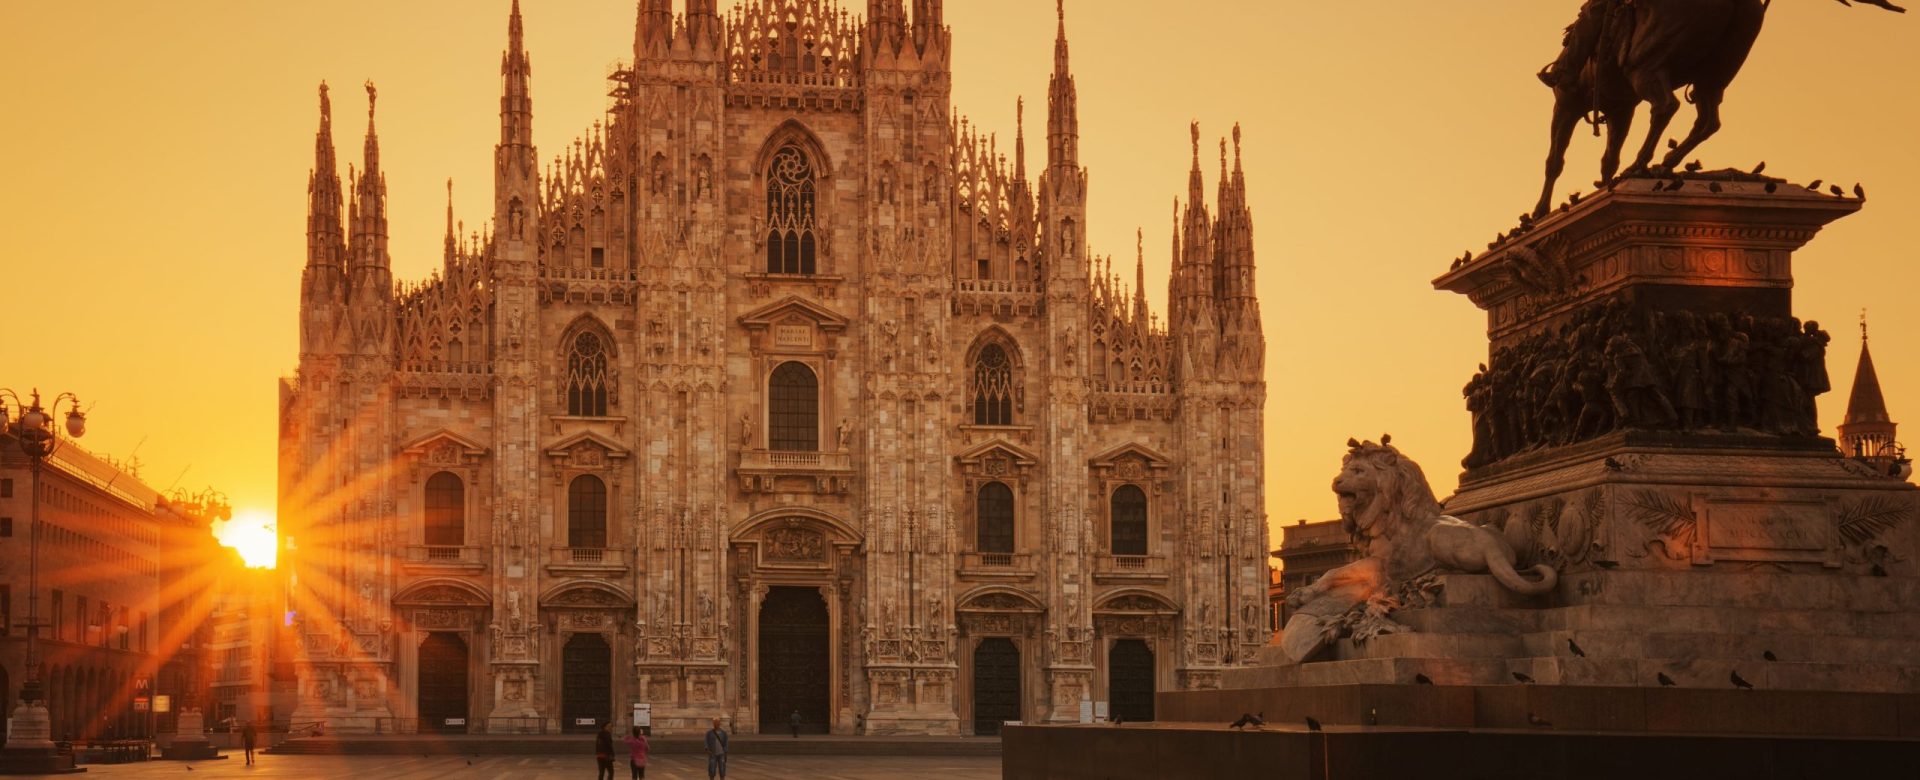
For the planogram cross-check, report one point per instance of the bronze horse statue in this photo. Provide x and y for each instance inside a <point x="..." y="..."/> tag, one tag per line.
<point x="1620" y="53"/>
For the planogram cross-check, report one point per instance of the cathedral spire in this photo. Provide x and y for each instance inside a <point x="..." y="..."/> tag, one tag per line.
<point x="369" y="240"/>
<point x="1063" y="103"/>
<point x="1195" y="260"/>
<point x="1235" y="237"/>
<point x="325" y="233"/>
<point x="1139" y="276"/>
<point x="516" y="99"/>
<point x="1867" y="429"/>
<point x="516" y="165"/>
<point x="653" y="35"/>
<point x="449" y="250"/>
<point x="928" y="22"/>
<point x="1020" y="140"/>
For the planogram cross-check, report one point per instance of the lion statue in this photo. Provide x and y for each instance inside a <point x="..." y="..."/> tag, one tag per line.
<point x="1388" y="508"/>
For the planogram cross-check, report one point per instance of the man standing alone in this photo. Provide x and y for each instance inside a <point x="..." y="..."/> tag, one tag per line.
<point x="249" y="737"/>
<point x="795" y="720"/>
<point x="716" y="751"/>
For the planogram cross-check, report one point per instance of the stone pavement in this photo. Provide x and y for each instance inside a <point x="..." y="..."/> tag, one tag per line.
<point x="673" y="767"/>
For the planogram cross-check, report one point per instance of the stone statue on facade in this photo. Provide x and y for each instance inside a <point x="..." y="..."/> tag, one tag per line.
<point x="1386" y="504"/>
<point x="1620" y="53"/>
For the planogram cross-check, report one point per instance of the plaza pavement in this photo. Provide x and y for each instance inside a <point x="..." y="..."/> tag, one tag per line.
<point x="667" y="767"/>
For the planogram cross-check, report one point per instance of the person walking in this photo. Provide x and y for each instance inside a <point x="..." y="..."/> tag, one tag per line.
<point x="249" y="737"/>
<point x="637" y="753"/>
<point x="795" y="721"/>
<point x="716" y="751"/>
<point x="603" y="752"/>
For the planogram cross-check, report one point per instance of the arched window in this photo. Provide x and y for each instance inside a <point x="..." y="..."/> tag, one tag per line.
<point x="793" y="409"/>
<point x="1129" y="517"/>
<point x="587" y="512"/>
<point x="790" y="212"/>
<point x="587" y="376"/>
<point x="446" y="510"/>
<point x="992" y="387"/>
<point x="995" y="510"/>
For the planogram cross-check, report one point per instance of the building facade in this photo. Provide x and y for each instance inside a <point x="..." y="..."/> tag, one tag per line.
<point x="782" y="391"/>
<point x="99" y="535"/>
<point x="1308" y="550"/>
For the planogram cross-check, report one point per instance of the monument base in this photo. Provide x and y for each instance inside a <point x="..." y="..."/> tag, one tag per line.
<point x="36" y="761"/>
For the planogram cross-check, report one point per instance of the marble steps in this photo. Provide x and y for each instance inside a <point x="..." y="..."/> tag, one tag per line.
<point x="1693" y="673"/>
<point x="1696" y="588"/>
<point x="1644" y="619"/>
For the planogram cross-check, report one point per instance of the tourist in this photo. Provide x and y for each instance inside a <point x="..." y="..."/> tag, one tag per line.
<point x="248" y="736"/>
<point x="603" y="751"/>
<point x="795" y="721"/>
<point x="716" y="751"/>
<point x="637" y="752"/>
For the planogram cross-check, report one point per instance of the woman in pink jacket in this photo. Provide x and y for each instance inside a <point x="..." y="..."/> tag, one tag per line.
<point x="637" y="745"/>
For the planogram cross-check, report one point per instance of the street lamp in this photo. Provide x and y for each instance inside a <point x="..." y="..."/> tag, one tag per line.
<point x="34" y="429"/>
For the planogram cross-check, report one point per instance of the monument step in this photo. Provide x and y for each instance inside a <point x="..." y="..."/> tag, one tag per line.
<point x="1695" y="588"/>
<point x="1643" y="618"/>
<point x="1709" y="673"/>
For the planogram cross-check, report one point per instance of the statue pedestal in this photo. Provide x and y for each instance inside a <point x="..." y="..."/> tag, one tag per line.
<point x="30" y="749"/>
<point x="190" y="741"/>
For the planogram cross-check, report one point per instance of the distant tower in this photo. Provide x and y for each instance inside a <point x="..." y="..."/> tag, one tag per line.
<point x="1867" y="430"/>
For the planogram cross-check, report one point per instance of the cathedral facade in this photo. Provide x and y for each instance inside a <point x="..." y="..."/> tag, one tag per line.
<point x="781" y="392"/>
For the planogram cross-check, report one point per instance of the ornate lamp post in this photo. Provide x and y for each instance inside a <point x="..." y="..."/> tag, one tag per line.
<point x="31" y="731"/>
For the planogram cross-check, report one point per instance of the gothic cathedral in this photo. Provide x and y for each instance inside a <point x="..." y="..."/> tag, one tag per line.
<point x="782" y="394"/>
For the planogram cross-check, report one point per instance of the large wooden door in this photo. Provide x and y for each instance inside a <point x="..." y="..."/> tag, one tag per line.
<point x="1130" y="680"/>
<point x="996" y="685"/>
<point x="795" y="670"/>
<point x="586" y="676"/>
<point x="443" y="683"/>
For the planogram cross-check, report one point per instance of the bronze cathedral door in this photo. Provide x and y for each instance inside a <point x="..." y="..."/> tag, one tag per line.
<point x="996" y="685"/>
<point x="586" y="678"/>
<point x="795" y="666"/>
<point x="1130" y="680"/>
<point x="443" y="683"/>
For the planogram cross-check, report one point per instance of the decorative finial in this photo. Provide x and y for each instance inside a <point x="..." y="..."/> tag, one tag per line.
<point x="1019" y="111"/>
<point x="1223" y="154"/>
<point x="1863" y="324"/>
<point x="372" y="95"/>
<point x="1060" y="8"/>
<point x="1196" y="141"/>
<point x="1236" y="140"/>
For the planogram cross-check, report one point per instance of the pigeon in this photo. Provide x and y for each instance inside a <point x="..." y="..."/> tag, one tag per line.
<point x="1815" y="186"/>
<point x="1575" y="647"/>
<point x="1613" y="465"/>
<point x="1522" y="677"/>
<point x="1758" y="169"/>
<point x="1837" y="192"/>
<point x="1769" y="656"/>
<point x="1386" y="439"/>
<point x="189" y="767"/>
<point x="1421" y="679"/>
<point x="1859" y="192"/>
<point x="1673" y="143"/>
<point x="1665" y="681"/>
<point x="1772" y="187"/>
<point x="1117" y="719"/>
<point x="1312" y="725"/>
<point x="1248" y="719"/>
<point x="469" y="762"/>
<point x="1694" y="167"/>
<point x="1713" y="186"/>
<point x="1740" y="682"/>
<point x="1574" y="198"/>
<point x="1539" y="721"/>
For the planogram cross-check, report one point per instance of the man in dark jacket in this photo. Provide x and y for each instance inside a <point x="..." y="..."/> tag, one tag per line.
<point x="603" y="751"/>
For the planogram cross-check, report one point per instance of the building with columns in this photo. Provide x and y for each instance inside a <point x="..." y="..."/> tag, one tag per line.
<point x="783" y="390"/>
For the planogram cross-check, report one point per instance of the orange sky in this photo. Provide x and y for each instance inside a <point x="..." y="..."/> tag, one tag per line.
<point x="155" y="158"/>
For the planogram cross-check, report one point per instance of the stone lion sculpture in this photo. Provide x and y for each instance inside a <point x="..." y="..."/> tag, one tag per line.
<point x="1386" y="504"/>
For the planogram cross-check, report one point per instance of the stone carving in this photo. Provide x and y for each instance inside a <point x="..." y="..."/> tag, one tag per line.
<point x="1619" y="53"/>
<point x="1862" y="525"/>
<point x="1386" y="504"/>
<point x="795" y="544"/>
<point x="586" y="597"/>
<point x="1669" y="518"/>
<point x="1604" y="370"/>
